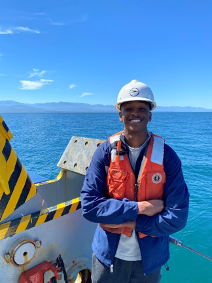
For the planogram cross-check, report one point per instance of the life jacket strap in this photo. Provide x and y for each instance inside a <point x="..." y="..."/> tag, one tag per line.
<point x="124" y="149"/>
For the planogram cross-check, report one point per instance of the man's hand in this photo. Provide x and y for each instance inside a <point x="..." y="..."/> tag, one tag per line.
<point x="150" y="207"/>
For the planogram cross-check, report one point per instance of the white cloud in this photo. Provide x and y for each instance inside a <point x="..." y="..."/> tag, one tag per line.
<point x="13" y="30"/>
<point x="37" y="73"/>
<point x="30" y="85"/>
<point x="26" y="29"/>
<point x="72" y="86"/>
<point x="86" y="93"/>
<point x="56" y="23"/>
<point x="3" y="75"/>
<point x="6" y="31"/>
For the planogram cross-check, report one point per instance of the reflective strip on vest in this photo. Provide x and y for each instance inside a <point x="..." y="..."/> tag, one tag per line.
<point x="114" y="138"/>
<point x="113" y="155"/>
<point x="158" y="151"/>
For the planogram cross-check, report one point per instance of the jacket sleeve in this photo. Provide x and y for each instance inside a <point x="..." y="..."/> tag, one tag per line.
<point x="95" y="206"/>
<point x="176" y="197"/>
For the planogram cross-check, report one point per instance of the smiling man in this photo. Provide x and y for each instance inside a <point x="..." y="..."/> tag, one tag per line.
<point x="134" y="188"/>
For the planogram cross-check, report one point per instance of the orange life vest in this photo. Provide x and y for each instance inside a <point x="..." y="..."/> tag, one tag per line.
<point x="121" y="182"/>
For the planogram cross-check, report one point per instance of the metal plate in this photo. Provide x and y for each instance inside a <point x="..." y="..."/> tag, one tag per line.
<point x="77" y="156"/>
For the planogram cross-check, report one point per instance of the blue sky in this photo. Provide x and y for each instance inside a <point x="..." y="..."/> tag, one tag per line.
<point x="85" y="51"/>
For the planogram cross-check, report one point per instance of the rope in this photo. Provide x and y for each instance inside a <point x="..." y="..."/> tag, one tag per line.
<point x="178" y="243"/>
<point x="60" y="263"/>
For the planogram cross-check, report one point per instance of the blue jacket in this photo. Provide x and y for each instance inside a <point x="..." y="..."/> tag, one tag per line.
<point x="98" y="209"/>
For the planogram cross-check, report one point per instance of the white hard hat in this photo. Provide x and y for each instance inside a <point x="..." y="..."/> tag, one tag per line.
<point x="135" y="90"/>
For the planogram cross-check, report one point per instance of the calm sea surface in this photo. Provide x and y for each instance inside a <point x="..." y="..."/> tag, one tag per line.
<point x="40" y="139"/>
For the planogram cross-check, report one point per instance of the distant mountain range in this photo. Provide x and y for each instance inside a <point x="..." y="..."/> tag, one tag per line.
<point x="10" y="106"/>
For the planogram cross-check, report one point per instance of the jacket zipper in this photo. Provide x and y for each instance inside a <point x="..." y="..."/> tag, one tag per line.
<point x="136" y="192"/>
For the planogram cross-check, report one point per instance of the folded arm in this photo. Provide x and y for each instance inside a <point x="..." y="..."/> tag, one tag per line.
<point x="95" y="206"/>
<point x="153" y="217"/>
<point x="176" y="199"/>
<point x="161" y="218"/>
<point x="148" y="208"/>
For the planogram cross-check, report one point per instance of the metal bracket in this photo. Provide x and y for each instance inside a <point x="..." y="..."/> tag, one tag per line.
<point x="78" y="154"/>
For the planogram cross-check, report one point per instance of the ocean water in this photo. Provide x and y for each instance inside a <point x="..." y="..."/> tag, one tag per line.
<point x="40" y="139"/>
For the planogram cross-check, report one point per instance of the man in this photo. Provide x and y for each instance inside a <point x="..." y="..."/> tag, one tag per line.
<point x="134" y="188"/>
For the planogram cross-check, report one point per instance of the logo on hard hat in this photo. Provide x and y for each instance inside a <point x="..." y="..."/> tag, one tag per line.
<point x="134" y="91"/>
<point x="156" y="178"/>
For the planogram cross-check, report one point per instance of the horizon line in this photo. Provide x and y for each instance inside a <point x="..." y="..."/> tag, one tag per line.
<point x="98" y="104"/>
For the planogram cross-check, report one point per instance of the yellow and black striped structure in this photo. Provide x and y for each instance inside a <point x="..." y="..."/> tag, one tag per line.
<point x="10" y="228"/>
<point x="16" y="187"/>
<point x="59" y="176"/>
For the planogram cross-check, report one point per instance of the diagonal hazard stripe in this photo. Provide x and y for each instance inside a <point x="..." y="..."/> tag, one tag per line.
<point x="41" y="219"/>
<point x="32" y="192"/>
<point x="75" y="204"/>
<point x="3" y="230"/>
<point x="60" y="208"/>
<point x="5" y="126"/>
<point x="2" y="145"/>
<point x="32" y="220"/>
<point x="18" y="179"/>
<point x="23" y="224"/>
<point x="6" y="150"/>
<point x="50" y="215"/>
<point x="79" y="206"/>
<point x="21" y="188"/>
<point x="12" y="182"/>
<point x="15" y="175"/>
<point x="11" y="162"/>
<point x="13" y="228"/>
<point x="16" y="186"/>
<point x="67" y="209"/>
<point x="24" y="193"/>
<point x="4" y="129"/>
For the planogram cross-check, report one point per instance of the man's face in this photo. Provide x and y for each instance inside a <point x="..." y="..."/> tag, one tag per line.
<point x="135" y="115"/>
